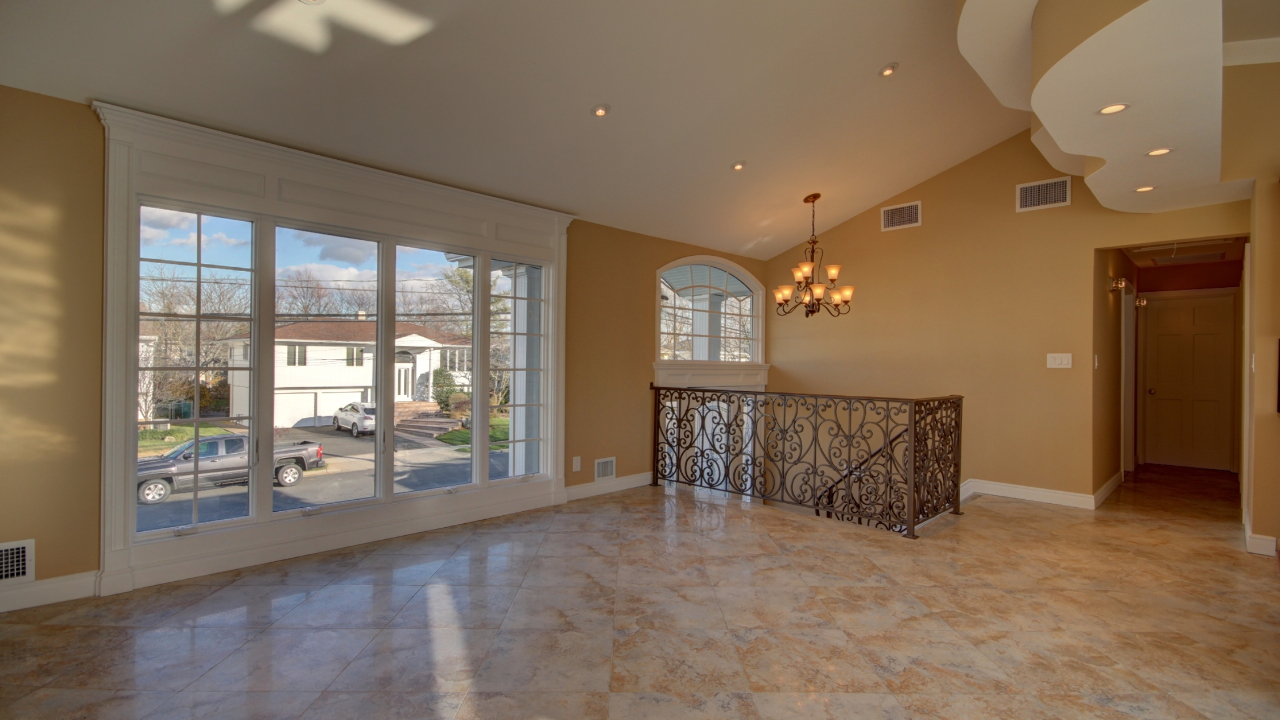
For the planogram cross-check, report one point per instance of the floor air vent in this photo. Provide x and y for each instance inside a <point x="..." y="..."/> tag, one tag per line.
<point x="605" y="468"/>
<point x="1044" y="194"/>
<point x="17" y="562"/>
<point x="900" y="216"/>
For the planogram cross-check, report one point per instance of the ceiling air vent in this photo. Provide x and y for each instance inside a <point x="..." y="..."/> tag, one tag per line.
<point x="17" y="562"/>
<point x="1044" y="194"/>
<point x="605" y="468"/>
<point x="900" y="216"/>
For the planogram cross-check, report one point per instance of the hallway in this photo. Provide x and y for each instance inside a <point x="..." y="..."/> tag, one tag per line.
<point x="663" y="603"/>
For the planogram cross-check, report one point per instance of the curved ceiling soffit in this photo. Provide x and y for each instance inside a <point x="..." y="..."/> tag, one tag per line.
<point x="995" y="37"/>
<point x="1163" y="59"/>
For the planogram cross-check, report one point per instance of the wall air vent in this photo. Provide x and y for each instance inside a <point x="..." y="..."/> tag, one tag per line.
<point x="900" y="216"/>
<point x="606" y="468"/>
<point x="1044" y="194"/>
<point x="17" y="562"/>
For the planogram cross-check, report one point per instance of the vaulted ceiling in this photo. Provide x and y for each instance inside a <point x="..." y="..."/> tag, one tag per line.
<point x="496" y="96"/>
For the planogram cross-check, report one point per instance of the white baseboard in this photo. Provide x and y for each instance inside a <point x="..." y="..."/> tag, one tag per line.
<point x="600" y="487"/>
<point x="1106" y="490"/>
<point x="1023" y="492"/>
<point x="1260" y="544"/>
<point x="52" y="590"/>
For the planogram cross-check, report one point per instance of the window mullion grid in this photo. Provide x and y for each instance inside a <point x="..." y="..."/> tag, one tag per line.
<point x="262" y="380"/>
<point x="195" y="479"/>
<point x="480" y="371"/>
<point x="384" y="369"/>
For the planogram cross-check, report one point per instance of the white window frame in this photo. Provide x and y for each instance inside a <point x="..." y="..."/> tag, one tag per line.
<point x="725" y="374"/>
<point x="156" y="161"/>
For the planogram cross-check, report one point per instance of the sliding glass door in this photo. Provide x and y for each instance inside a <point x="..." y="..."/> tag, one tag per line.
<point x="434" y="365"/>
<point x="195" y="370"/>
<point x="378" y="387"/>
<point x="326" y="369"/>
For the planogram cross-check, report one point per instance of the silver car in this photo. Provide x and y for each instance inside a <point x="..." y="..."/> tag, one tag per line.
<point x="358" y="417"/>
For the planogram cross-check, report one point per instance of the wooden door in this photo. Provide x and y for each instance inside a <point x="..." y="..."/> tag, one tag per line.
<point x="1188" y="346"/>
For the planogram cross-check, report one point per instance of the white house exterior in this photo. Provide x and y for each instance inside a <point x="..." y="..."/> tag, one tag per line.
<point x="322" y="365"/>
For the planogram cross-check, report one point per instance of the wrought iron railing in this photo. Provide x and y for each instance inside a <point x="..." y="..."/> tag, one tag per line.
<point x="886" y="462"/>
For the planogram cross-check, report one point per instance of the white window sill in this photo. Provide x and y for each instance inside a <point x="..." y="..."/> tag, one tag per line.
<point x="711" y="374"/>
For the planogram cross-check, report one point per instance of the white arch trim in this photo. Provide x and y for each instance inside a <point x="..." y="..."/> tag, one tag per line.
<point x="713" y="373"/>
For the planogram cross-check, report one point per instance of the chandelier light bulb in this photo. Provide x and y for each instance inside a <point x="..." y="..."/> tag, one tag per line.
<point x="846" y="293"/>
<point x="833" y="272"/>
<point x="806" y="269"/>
<point x="818" y="292"/>
<point x="777" y="295"/>
<point x="787" y="292"/>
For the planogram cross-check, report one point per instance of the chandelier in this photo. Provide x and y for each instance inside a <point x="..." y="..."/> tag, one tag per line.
<point x="807" y="292"/>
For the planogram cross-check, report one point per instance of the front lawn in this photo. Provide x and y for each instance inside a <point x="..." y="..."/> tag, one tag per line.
<point x="157" y="442"/>
<point x="499" y="431"/>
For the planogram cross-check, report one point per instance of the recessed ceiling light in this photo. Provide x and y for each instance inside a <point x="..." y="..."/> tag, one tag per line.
<point x="600" y="110"/>
<point x="1160" y="151"/>
<point x="1113" y="109"/>
<point x="311" y="2"/>
<point x="739" y="166"/>
<point x="888" y="70"/>
<point x="1144" y="188"/>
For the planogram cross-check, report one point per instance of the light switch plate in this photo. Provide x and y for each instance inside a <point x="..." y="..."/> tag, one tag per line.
<point x="1058" y="361"/>
<point x="577" y="464"/>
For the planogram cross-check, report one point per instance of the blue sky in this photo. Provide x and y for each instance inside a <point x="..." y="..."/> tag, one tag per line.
<point x="171" y="235"/>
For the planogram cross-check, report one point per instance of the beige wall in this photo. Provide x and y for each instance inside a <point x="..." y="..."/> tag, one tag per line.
<point x="51" y="199"/>
<point x="970" y="303"/>
<point x="611" y="344"/>
<point x="1251" y="149"/>
<point x="1109" y="376"/>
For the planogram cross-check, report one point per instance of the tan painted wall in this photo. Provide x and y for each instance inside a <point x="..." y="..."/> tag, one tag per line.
<point x="51" y="200"/>
<point x="970" y="303"/>
<point x="1108" y="377"/>
<point x="1251" y="149"/>
<point x="1265" y="279"/>
<point x="611" y="343"/>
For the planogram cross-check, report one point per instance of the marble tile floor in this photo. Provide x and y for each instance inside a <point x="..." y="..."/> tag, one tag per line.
<point x="669" y="603"/>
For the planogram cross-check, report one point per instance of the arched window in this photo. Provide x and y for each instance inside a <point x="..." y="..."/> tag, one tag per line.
<point x="708" y="311"/>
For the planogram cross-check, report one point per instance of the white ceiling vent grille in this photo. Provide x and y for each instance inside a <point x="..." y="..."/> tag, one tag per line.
<point x="900" y="216"/>
<point x="17" y="562"/>
<point x="606" y="468"/>
<point x="1044" y="194"/>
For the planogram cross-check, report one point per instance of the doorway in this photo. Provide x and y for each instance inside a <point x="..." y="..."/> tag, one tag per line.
<point x="1184" y="323"/>
<point x="1186" y="345"/>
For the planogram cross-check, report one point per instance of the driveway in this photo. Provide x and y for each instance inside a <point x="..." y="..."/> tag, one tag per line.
<point x="420" y="464"/>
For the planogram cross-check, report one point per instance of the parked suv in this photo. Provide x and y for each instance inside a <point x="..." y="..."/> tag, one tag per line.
<point x="358" y="417"/>
<point x="223" y="460"/>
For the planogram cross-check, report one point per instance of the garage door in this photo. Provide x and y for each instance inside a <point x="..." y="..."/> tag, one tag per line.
<point x="331" y="400"/>
<point x="295" y="410"/>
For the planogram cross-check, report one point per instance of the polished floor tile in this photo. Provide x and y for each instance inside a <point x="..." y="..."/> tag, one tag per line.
<point x="547" y="660"/>
<point x="676" y="661"/>
<point x="403" y="660"/>
<point x="667" y="603"/>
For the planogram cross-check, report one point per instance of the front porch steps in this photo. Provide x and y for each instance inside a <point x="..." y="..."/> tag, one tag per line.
<point x="427" y="425"/>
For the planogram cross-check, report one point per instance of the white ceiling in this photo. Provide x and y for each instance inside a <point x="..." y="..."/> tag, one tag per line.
<point x="496" y="96"/>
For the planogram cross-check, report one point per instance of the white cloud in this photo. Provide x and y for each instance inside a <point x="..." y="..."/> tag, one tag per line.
<point x="420" y="271"/>
<point x="223" y="239"/>
<point x="161" y="219"/>
<point x="151" y="235"/>
<point x="331" y="274"/>
<point x="338" y="249"/>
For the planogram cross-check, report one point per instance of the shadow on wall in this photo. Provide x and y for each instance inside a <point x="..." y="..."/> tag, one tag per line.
<point x="31" y="309"/>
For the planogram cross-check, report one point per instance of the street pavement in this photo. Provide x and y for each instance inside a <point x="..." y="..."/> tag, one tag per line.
<point x="420" y="464"/>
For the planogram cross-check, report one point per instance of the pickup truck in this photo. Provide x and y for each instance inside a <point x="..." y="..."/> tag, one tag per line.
<point x="223" y="460"/>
